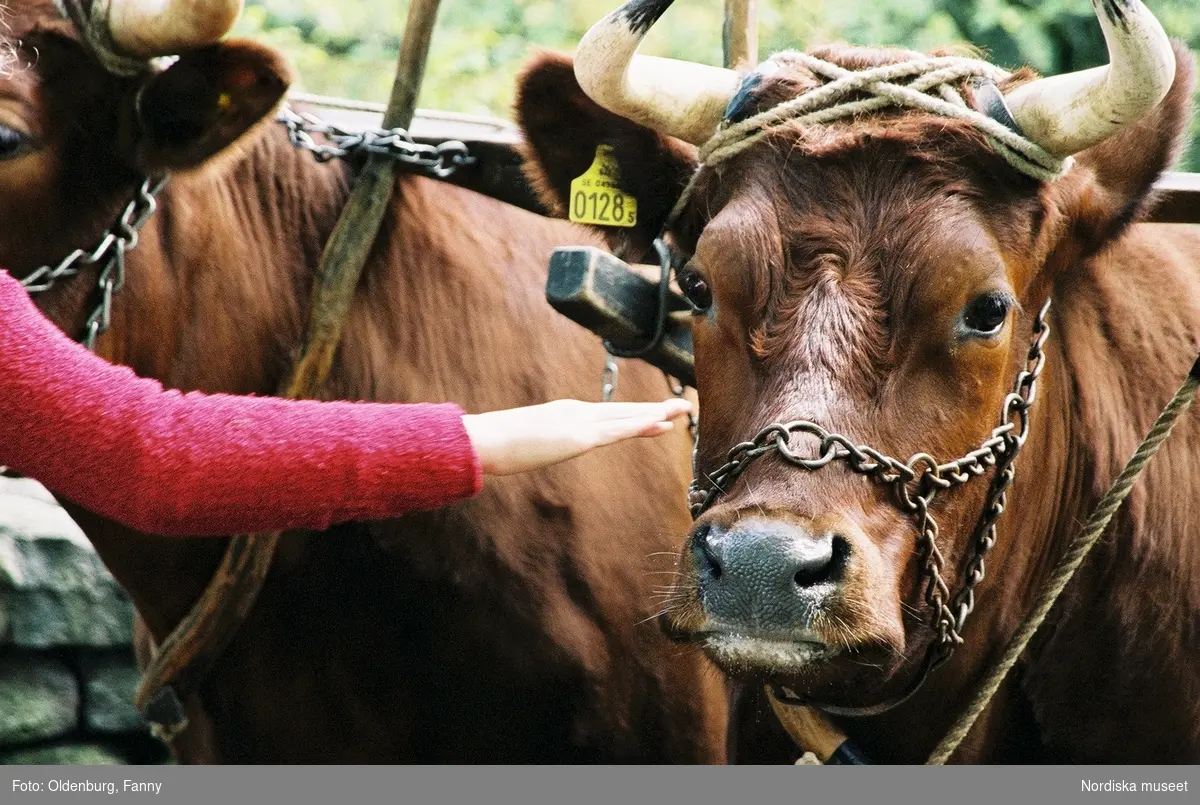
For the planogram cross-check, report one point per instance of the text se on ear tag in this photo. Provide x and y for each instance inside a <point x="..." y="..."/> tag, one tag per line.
<point x="596" y="196"/>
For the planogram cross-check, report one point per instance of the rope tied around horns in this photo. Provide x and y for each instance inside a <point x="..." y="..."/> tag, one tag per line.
<point x="931" y="89"/>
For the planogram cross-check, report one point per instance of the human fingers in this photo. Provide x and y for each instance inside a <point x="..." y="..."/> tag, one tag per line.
<point x="629" y="428"/>
<point x="609" y="412"/>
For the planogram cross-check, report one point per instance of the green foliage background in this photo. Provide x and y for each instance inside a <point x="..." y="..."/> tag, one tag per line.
<point x="349" y="47"/>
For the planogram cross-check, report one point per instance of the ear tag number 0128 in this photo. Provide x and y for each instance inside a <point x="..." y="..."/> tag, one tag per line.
<point x="596" y="196"/>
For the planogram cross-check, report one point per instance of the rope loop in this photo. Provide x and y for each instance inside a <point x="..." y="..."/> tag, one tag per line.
<point x="91" y="21"/>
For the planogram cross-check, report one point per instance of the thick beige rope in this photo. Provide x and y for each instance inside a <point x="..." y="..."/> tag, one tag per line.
<point x="931" y="90"/>
<point x="1070" y="563"/>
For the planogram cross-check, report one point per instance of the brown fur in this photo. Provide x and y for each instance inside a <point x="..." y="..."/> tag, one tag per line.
<point x="513" y="628"/>
<point x="840" y="258"/>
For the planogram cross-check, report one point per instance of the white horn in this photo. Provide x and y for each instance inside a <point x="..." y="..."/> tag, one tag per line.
<point x="1069" y="113"/>
<point x="148" y="28"/>
<point x="678" y="98"/>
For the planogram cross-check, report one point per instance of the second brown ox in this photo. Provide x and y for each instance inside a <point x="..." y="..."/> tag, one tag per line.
<point x="879" y="277"/>
<point x="513" y="628"/>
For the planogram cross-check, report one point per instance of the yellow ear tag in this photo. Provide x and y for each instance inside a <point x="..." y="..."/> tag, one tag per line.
<point x="596" y="196"/>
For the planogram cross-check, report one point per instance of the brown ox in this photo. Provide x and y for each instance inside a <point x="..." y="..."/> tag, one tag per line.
<point x="513" y="628"/>
<point x="879" y="277"/>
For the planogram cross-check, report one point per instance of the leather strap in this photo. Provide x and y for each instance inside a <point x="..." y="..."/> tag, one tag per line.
<point x="180" y="665"/>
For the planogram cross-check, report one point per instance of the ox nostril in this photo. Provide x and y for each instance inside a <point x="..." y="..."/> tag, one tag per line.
<point x="706" y="558"/>
<point x="766" y="574"/>
<point x="823" y="561"/>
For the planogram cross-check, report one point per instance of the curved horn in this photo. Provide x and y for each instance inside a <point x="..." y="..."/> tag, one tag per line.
<point x="148" y="28"/>
<point x="1069" y="113"/>
<point x="678" y="98"/>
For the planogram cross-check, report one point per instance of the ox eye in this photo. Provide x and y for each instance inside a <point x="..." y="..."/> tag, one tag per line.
<point x="986" y="314"/>
<point x="12" y="143"/>
<point x="695" y="289"/>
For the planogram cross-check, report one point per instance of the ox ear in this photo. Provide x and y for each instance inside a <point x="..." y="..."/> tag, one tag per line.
<point x="204" y="102"/>
<point x="563" y="127"/>
<point x="1111" y="185"/>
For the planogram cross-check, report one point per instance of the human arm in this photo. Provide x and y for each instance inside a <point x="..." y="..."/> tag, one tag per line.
<point x="167" y="462"/>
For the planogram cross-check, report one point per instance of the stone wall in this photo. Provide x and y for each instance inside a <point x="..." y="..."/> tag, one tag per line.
<point x="67" y="671"/>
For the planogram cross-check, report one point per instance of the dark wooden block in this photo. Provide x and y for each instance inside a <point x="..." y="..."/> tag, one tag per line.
<point x="601" y="292"/>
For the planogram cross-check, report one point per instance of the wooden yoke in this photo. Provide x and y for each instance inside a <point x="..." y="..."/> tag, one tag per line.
<point x="180" y="664"/>
<point x="617" y="302"/>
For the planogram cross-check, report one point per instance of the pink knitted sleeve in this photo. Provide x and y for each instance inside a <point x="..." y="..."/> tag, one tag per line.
<point x="197" y="464"/>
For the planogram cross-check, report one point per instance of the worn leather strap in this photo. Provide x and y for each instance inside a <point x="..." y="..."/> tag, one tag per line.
<point x="185" y="658"/>
<point x="182" y="662"/>
<point x="180" y="665"/>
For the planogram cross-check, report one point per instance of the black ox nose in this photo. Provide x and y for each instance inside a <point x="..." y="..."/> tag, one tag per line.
<point x="764" y="574"/>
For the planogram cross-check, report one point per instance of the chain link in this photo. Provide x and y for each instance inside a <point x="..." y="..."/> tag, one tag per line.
<point x="109" y="253"/>
<point x="441" y="160"/>
<point x="609" y="377"/>
<point x="679" y="390"/>
<point x="915" y="482"/>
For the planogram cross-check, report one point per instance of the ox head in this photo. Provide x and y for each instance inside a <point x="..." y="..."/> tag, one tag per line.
<point x="86" y="109"/>
<point x="877" y="276"/>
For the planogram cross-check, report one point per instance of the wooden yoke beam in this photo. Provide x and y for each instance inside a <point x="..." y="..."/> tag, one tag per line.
<point x="607" y="296"/>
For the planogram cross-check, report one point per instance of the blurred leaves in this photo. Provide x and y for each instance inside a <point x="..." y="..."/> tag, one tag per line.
<point x="349" y="48"/>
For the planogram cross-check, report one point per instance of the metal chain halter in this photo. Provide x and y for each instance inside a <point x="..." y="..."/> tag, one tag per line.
<point x="915" y="482"/>
<point x="110" y="252"/>
<point x="440" y="161"/>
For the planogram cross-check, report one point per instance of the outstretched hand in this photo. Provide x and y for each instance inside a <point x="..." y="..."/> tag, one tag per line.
<point x="523" y="439"/>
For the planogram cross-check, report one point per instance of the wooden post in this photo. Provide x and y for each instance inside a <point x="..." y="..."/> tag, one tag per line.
<point x="740" y="35"/>
<point x="352" y="239"/>
<point x="813" y="731"/>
